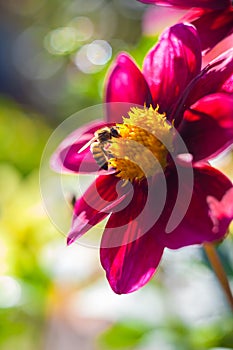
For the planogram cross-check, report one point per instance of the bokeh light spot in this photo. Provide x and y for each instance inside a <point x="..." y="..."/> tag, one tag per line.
<point x="10" y="292"/>
<point x="91" y="58"/>
<point x="99" y="52"/>
<point x="84" y="28"/>
<point x="61" y="40"/>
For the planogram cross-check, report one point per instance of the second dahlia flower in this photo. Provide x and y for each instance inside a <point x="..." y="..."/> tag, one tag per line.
<point x="212" y="18"/>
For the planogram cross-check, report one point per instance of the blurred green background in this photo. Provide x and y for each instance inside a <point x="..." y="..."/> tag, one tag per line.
<point x="53" y="59"/>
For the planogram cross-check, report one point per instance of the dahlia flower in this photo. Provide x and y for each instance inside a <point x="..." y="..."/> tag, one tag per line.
<point x="212" y="18"/>
<point x="170" y="99"/>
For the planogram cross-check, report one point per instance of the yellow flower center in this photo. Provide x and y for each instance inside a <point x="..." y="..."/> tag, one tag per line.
<point x="145" y="138"/>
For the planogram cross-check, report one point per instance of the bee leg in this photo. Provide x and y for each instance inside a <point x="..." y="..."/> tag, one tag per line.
<point x="72" y="200"/>
<point x="104" y="166"/>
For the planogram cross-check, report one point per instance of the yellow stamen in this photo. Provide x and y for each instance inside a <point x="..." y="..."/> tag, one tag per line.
<point x="141" y="151"/>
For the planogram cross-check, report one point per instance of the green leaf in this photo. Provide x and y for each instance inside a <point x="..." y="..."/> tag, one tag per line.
<point x="123" y="335"/>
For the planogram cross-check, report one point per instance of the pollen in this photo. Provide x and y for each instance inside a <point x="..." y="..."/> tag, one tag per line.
<point x="145" y="139"/>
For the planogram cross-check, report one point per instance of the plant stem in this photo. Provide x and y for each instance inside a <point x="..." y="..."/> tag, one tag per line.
<point x="219" y="271"/>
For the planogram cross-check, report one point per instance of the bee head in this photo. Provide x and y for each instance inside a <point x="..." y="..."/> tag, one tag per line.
<point x="114" y="132"/>
<point x="104" y="135"/>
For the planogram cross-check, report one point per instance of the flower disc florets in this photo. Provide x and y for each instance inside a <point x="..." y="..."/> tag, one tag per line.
<point x="141" y="150"/>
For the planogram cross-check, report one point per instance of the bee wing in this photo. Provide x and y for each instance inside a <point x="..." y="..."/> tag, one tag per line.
<point x="87" y="144"/>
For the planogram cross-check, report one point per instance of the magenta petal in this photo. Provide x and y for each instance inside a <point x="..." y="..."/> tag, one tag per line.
<point x="221" y="212"/>
<point x="95" y="204"/>
<point x="66" y="157"/>
<point x="212" y="4"/>
<point x="197" y="225"/>
<point x="130" y="252"/>
<point x="217" y="76"/>
<point x="125" y="84"/>
<point x="129" y="266"/>
<point x="207" y="127"/>
<point x="172" y="64"/>
<point x="212" y="26"/>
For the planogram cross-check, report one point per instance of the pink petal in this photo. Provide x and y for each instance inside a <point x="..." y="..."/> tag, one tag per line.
<point x="197" y="225"/>
<point x="147" y="196"/>
<point x="129" y="266"/>
<point x="221" y="212"/>
<point x="222" y="46"/>
<point x="105" y="193"/>
<point x="217" y="76"/>
<point x="172" y="64"/>
<point x="130" y="252"/>
<point x="212" y="26"/>
<point x="213" y="4"/>
<point x="66" y="157"/>
<point x="207" y="126"/>
<point x="127" y="85"/>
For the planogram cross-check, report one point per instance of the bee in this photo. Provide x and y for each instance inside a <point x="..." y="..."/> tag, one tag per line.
<point x="98" y="144"/>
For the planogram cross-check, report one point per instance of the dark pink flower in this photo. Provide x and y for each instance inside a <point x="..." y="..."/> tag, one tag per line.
<point x="200" y="105"/>
<point x="212" y="18"/>
<point x="209" y="4"/>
